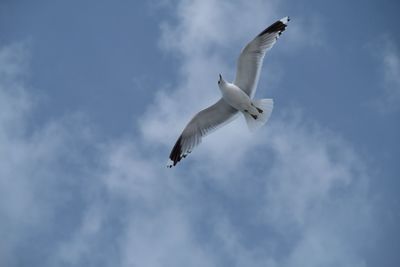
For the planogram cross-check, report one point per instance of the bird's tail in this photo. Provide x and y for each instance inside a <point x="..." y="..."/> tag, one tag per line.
<point x="264" y="106"/>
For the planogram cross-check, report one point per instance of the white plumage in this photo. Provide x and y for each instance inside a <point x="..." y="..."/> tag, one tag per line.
<point x="236" y="97"/>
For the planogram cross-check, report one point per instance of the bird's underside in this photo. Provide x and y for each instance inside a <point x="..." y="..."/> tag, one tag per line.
<point x="247" y="74"/>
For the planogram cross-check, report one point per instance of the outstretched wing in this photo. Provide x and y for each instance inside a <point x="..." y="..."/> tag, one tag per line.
<point x="251" y="58"/>
<point x="201" y="124"/>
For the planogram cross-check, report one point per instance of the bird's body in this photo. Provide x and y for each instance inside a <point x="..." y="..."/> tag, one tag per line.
<point x="236" y="96"/>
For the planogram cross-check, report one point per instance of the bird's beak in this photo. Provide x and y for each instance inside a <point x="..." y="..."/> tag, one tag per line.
<point x="220" y="77"/>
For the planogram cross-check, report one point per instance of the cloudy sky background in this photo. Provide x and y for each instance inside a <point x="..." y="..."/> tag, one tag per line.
<point x="94" y="94"/>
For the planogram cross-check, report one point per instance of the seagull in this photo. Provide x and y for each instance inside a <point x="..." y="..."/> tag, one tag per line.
<point x="236" y="97"/>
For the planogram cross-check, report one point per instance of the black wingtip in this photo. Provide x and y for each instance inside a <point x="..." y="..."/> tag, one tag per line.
<point x="278" y="26"/>
<point x="176" y="153"/>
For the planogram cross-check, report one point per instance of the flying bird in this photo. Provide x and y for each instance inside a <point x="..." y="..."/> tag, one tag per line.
<point x="236" y="97"/>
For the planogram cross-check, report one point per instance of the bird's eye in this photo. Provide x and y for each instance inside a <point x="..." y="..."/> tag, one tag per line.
<point x="219" y="82"/>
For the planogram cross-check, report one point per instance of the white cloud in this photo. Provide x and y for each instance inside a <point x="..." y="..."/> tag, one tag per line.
<point x="205" y="24"/>
<point x="165" y="239"/>
<point x="389" y="58"/>
<point x="315" y="186"/>
<point x="15" y="194"/>
<point x="391" y="64"/>
<point x="38" y="164"/>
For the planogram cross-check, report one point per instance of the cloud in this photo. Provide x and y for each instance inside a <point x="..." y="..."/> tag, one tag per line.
<point x="41" y="167"/>
<point x="315" y="186"/>
<point x="15" y="196"/>
<point x="292" y="194"/>
<point x="390" y="70"/>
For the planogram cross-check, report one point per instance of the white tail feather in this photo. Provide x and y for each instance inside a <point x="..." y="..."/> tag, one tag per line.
<point x="266" y="104"/>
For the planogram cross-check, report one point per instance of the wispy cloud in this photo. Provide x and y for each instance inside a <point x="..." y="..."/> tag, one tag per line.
<point x="41" y="167"/>
<point x="387" y="53"/>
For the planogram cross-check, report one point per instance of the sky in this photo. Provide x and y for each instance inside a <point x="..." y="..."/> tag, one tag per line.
<point x="93" y="95"/>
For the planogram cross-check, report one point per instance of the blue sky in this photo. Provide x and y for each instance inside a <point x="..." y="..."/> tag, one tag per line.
<point x="93" y="95"/>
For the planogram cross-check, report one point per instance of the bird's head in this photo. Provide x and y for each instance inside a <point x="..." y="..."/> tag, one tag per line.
<point x="221" y="81"/>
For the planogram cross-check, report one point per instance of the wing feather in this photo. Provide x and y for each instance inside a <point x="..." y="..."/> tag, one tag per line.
<point x="202" y="124"/>
<point x="251" y="58"/>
